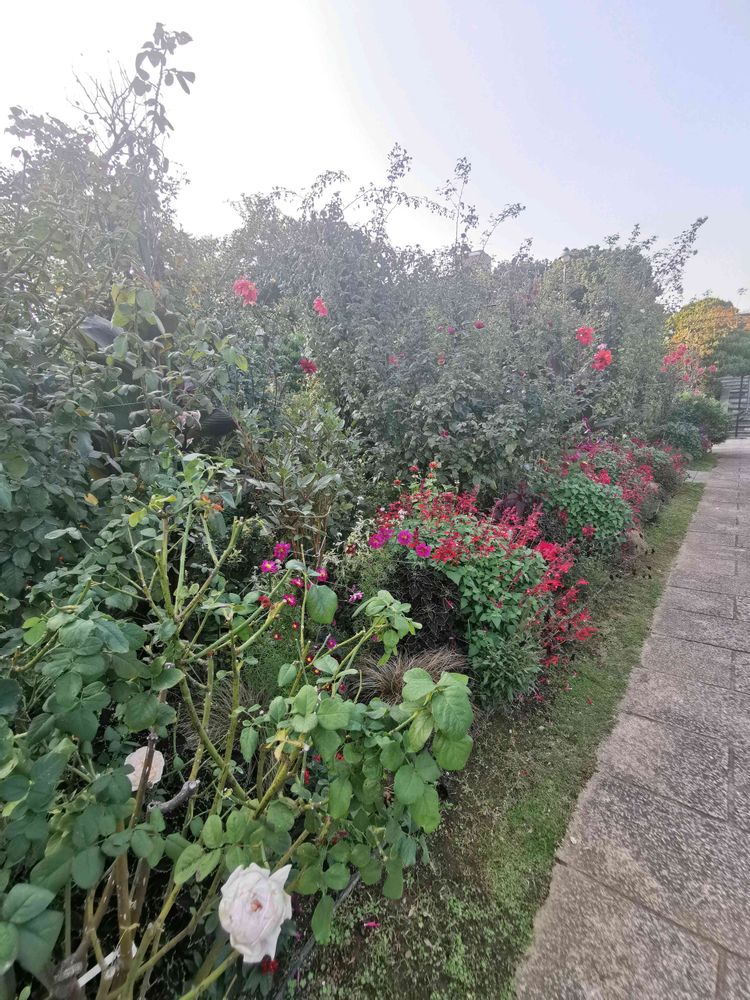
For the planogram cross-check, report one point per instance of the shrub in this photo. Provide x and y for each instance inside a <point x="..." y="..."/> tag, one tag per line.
<point x="106" y="799"/>
<point x="704" y="412"/>
<point x="666" y="466"/>
<point x="592" y="512"/>
<point x="506" y="578"/>
<point x="686" y="438"/>
<point x="505" y="667"/>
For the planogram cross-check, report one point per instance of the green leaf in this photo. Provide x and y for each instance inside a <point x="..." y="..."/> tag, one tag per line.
<point x="137" y="516"/>
<point x="187" y="863"/>
<point x="8" y="946"/>
<point x="322" y="918"/>
<point x="37" y="939"/>
<point x="16" y="466"/>
<point x="88" y="866"/>
<point x="141" y="843"/>
<point x="207" y="864"/>
<point x="336" y="877"/>
<point x="321" y="604"/>
<point x="426" y="767"/>
<point x="140" y="711"/>
<point x="24" y="902"/>
<point x="248" y="742"/>
<point x="393" y="887"/>
<point x="113" y="638"/>
<point x="212" y="833"/>
<point x="419" y="731"/>
<point x="426" y="810"/>
<point x="361" y="855"/>
<point x="391" y="756"/>
<point x="334" y="712"/>
<point x="167" y="679"/>
<point x="280" y="815"/>
<point x="452" y="755"/>
<point x="408" y="786"/>
<point x="339" y="797"/>
<point x="53" y="871"/>
<point x="417" y="684"/>
<point x="287" y="674"/>
<point x="305" y="700"/>
<point x="10" y="695"/>
<point x="451" y="711"/>
<point x="6" y="497"/>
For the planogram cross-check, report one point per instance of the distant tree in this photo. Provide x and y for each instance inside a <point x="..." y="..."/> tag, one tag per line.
<point x="703" y="324"/>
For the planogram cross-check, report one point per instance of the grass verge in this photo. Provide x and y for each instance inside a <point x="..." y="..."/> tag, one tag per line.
<point x="466" y="917"/>
<point x="704" y="463"/>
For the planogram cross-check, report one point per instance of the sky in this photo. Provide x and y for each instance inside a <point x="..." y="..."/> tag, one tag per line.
<point x="594" y="114"/>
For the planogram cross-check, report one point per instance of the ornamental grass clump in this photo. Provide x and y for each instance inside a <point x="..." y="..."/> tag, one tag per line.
<point x="128" y="847"/>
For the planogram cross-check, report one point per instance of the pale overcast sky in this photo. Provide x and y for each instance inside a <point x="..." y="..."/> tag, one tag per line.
<point x="596" y="114"/>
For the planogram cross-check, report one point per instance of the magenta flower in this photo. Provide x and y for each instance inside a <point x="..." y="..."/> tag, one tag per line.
<point x="479" y="325"/>
<point x="308" y="367"/>
<point x="376" y="541"/>
<point x="451" y="329"/>
<point x="322" y="574"/>
<point x="445" y="433"/>
<point x="404" y="538"/>
<point x="296" y="581"/>
<point x="331" y="643"/>
<point x="320" y="307"/>
<point x="422" y="549"/>
<point x="269" y="566"/>
<point x="281" y="550"/>
<point x="355" y="596"/>
<point x="289" y="599"/>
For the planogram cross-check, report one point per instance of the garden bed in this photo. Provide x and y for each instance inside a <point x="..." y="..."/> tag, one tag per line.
<point x="465" y="920"/>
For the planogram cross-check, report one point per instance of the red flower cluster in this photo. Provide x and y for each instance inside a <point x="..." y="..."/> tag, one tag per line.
<point x="602" y="358"/>
<point x="607" y="462"/>
<point x="246" y="290"/>
<point x="585" y="335"/>
<point x="308" y="367"/>
<point x="687" y="368"/>
<point x="320" y="307"/>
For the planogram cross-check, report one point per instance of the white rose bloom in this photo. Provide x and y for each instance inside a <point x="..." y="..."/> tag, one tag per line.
<point x="137" y="761"/>
<point x="253" y="907"/>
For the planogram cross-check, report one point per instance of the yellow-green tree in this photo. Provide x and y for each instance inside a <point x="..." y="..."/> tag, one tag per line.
<point x="702" y="325"/>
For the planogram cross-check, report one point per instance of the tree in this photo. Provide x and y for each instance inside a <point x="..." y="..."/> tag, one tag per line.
<point x="703" y="324"/>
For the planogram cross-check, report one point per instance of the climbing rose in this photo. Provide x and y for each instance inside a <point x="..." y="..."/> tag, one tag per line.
<point x="245" y="290"/>
<point x="602" y="359"/>
<point x="137" y="761"/>
<point x="585" y="335"/>
<point x="308" y="367"/>
<point x="479" y="325"/>
<point x="253" y="907"/>
<point x="320" y="307"/>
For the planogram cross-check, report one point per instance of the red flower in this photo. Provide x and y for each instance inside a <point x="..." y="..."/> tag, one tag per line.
<point x="445" y="433"/>
<point x="392" y="359"/>
<point x="268" y="966"/>
<point x="413" y="468"/>
<point x="602" y="359"/>
<point x="320" y="307"/>
<point x="308" y="367"/>
<point x="585" y="335"/>
<point x="306" y="777"/>
<point x="548" y="550"/>
<point x="713" y="369"/>
<point x="264" y="601"/>
<point x="245" y="289"/>
<point x="479" y="325"/>
<point x="588" y="531"/>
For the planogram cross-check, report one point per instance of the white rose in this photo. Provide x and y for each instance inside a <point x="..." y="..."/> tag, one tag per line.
<point x="137" y="761"/>
<point x="253" y="908"/>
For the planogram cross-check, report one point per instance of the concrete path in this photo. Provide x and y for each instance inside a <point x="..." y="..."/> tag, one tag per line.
<point x="650" y="896"/>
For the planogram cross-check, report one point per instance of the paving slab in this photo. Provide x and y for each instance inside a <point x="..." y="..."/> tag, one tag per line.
<point x="739" y="796"/>
<point x="700" y="601"/>
<point x="691" y="869"/>
<point x="690" y="660"/>
<point x="736" y="979"/>
<point x="739" y="585"/>
<point x="741" y="670"/>
<point x="706" y="562"/>
<point x="599" y="945"/>
<point x="670" y="761"/>
<point x="702" y="628"/>
<point x="701" y="708"/>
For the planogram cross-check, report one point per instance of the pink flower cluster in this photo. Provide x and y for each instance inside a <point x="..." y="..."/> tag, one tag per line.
<point x="246" y="290"/>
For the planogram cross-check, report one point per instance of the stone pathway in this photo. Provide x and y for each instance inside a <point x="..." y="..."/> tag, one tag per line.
<point x="650" y="896"/>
